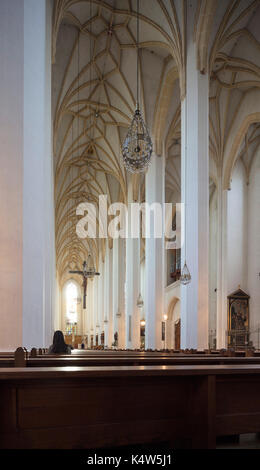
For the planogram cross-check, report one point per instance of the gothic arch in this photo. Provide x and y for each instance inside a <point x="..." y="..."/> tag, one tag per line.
<point x="171" y="306"/>
<point x="240" y="133"/>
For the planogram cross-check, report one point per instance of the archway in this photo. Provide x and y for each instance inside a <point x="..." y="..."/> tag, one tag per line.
<point x="71" y="309"/>
<point x="173" y="317"/>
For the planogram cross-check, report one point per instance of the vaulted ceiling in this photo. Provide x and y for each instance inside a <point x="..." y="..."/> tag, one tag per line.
<point x="94" y="95"/>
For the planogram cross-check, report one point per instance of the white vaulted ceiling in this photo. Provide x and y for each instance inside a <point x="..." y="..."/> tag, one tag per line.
<point x="94" y="98"/>
<point x="94" y="95"/>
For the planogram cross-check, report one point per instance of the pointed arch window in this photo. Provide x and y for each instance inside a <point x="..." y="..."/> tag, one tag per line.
<point x="71" y="303"/>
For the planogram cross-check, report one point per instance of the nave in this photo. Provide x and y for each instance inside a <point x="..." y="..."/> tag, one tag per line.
<point x="130" y="222"/>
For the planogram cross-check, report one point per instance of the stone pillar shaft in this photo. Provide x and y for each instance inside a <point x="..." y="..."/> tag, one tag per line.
<point x="132" y="321"/>
<point x="221" y="266"/>
<point x="27" y="204"/>
<point x="195" y="196"/>
<point x="154" y="256"/>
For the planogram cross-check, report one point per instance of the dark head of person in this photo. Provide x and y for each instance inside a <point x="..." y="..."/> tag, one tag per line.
<point x="59" y="346"/>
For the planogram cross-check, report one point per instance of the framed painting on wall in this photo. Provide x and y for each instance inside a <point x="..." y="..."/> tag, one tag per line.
<point x="238" y="319"/>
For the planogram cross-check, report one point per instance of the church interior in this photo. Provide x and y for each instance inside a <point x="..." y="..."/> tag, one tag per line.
<point x="120" y="118"/>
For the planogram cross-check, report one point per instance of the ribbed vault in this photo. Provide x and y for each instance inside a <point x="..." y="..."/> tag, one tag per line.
<point x="94" y="94"/>
<point x="94" y="99"/>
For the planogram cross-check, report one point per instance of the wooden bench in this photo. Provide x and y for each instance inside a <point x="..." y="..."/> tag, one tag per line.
<point x="102" y="407"/>
<point x="21" y="359"/>
<point x="135" y="361"/>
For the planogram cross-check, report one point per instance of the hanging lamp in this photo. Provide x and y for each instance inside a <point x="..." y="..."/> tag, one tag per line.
<point x="185" y="273"/>
<point x="137" y="148"/>
<point x="140" y="302"/>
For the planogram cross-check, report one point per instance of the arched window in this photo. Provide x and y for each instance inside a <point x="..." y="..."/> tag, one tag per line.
<point x="71" y="304"/>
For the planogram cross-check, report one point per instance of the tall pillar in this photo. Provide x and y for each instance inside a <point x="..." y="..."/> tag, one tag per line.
<point x="86" y="319"/>
<point x="27" y="274"/>
<point x="221" y="266"/>
<point x="121" y="294"/>
<point x="100" y="300"/>
<point x="108" y="307"/>
<point x="132" y="320"/>
<point x="11" y="174"/>
<point x="110" y="281"/>
<point x="195" y="196"/>
<point x="116" y="275"/>
<point x="90" y="313"/>
<point x="154" y="256"/>
<point x="95" y="307"/>
<point x="118" y="290"/>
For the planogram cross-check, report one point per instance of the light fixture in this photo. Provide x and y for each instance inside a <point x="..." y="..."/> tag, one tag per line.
<point x="185" y="275"/>
<point x="165" y="317"/>
<point x="140" y="302"/>
<point x="137" y="148"/>
<point x="142" y="322"/>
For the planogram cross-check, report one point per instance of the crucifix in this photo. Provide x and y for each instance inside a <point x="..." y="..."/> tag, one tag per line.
<point x="86" y="273"/>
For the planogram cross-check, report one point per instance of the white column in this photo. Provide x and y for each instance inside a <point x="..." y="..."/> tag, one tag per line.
<point x="11" y="174"/>
<point x="132" y="320"/>
<point x="91" y="308"/>
<point x="108" y="320"/>
<point x="38" y="212"/>
<point x="154" y="256"/>
<point x="110" y="298"/>
<point x="116" y="275"/>
<point x="118" y="290"/>
<point x="99" y="301"/>
<point x="27" y="177"/>
<point x="95" y="308"/>
<point x="195" y="196"/>
<point x="102" y="300"/>
<point x="121" y="294"/>
<point x="222" y="266"/>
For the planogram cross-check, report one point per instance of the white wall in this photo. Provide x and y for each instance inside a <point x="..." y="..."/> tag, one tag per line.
<point x="213" y="229"/>
<point x="254" y="242"/>
<point x="243" y="237"/>
<point x="237" y="231"/>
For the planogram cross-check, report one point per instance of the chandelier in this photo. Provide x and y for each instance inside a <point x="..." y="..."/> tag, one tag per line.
<point x="137" y="148"/>
<point x="140" y="302"/>
<point x="185" y="275"/>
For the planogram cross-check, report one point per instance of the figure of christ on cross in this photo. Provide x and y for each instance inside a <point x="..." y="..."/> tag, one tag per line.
<point x="86" y="274"/>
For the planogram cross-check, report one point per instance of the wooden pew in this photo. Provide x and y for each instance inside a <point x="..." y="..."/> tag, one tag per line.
<point x="103" y="407"/>
<point x="21" y="359"/>
<point x="136" y="361"/>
